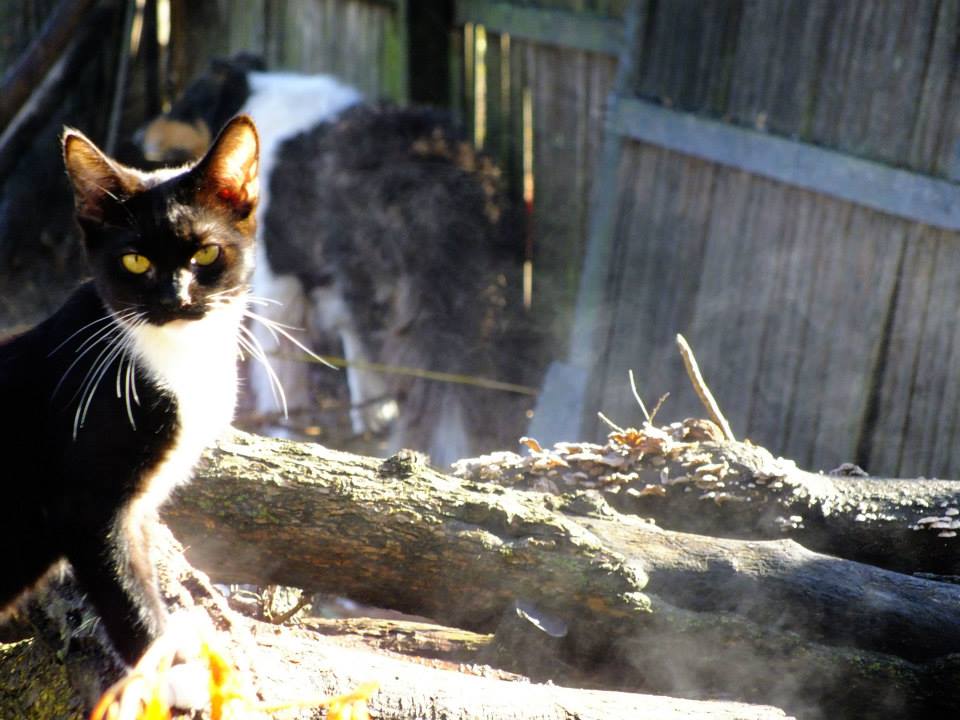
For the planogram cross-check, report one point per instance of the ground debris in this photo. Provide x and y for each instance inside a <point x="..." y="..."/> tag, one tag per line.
<point x="647" y="460"/>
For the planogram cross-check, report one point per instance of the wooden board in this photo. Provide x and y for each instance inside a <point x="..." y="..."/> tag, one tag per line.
<point x="555" y="23"/>
<point x="903" y="193"/>
<point x="568" y="90"/>
<point x="657" y="261"/>
<point x="827" y="329"/>
<point x="875" y="79"/>
<point x="360" y="42"/>
<point x="782" y="294"/>
<point x="356" y="41"/>
<point x="917" y="423"/>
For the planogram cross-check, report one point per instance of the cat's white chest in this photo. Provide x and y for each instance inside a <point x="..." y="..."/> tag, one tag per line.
<point x="196" y="361"/>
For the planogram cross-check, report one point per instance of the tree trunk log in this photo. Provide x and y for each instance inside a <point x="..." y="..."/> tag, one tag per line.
<point x="636" y="605"/>
<point x="60" y="673"/>
<point x="689" y="479"/>
<point x="572" y="589"/>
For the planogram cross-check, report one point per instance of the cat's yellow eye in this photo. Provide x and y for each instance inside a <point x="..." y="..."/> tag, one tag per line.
<point x="207" y="255"/>
<point x="137" y="264"/>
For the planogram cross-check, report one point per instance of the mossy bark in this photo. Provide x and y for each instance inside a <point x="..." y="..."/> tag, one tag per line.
<point x="278" y="665"/>
<point x="640" y="606"/>
<point x="571" y="589"/>
<point x="688" y="478"/>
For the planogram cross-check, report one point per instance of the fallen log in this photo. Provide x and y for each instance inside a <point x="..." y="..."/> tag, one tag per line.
<point x="60" y="672"/>
<point x="639" y="606"/>
<point x="688" y="478"/>
<point x="571" y="589"/>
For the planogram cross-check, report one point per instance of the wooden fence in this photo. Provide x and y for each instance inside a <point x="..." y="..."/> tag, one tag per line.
<point x="135" y="57"/>
<point x="776" y="183"/>
<point x="363" y="42"/>
<point x="775" y="180"/>
<point x="539" y="107"/>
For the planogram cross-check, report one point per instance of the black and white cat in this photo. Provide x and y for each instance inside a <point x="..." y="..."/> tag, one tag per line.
<point x="109" y="402"/>
<point x="383" y="229"/>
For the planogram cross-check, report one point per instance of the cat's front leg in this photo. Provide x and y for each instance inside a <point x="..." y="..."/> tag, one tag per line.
<point x="113" y="566"/>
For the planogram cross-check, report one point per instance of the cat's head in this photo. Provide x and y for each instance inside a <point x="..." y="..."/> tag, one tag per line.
<point x="171" y="244"/>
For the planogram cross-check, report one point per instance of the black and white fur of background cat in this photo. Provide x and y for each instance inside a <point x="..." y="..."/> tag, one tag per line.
<point x="380" y="228"/>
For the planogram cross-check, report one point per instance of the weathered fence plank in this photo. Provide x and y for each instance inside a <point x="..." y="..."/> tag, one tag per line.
<point x="556" y="26"/>
<point x="567" y="77"/>
<point x="783" y="294"/>
<point x="872" y="79"/>
<point x="881" y="187"/>
<point x="654" y="283"/>
<point x="568" y="90"/>
<point x="359" y="41"/>
<point x="916" y="424"/>
<point x="823" y="332"/>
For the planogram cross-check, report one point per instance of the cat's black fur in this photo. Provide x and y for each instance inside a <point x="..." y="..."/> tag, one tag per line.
<point x="92" y="440"/>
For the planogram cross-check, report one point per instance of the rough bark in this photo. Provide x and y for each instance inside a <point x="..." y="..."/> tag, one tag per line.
<point x="279" y="664"/>
<point x="659" y="610"/>
<point x="689" y="479"/>
<point x="571" y="588"/>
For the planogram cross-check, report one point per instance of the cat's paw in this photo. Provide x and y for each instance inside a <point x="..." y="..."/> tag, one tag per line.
<point x="184" y="668"/>
<point x="187" y="686"/>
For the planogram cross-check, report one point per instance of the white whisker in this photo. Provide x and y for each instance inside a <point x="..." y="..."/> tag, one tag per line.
<point x="253" y="346"/>
<point x="220" y="293"/>
<point x="112" y="330"/>
<point x="77" y="332"/>
<point x="117" y="346"/>
<point x="124" y="356"/>
<point x="126" y="395"/>
<point x="258" y="300"/>
<point x="92" y="339"/>
<point x="275" y="329"/>
<point x="269" y="321"/>
<point x="119" y="370"/>
<point x="92" y="381"/>
<point x="132" y="371"/>
<point x="130" y="384"/>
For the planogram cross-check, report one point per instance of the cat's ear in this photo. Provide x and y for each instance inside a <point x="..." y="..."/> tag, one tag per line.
<point x="227" y="174"/>
<point x="98" y="182"/>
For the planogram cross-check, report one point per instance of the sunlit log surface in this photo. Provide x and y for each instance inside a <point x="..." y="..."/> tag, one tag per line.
<point x="571" y="588"/>
<point x="649" y="608"/>
<point x="688" y="478"/>
<point x="56" y="677"/>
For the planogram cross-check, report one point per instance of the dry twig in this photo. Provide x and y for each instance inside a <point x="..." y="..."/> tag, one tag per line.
<point x="700" y="386"/>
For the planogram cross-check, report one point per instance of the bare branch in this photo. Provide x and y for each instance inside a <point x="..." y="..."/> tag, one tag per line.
<point x="700" y="386"/>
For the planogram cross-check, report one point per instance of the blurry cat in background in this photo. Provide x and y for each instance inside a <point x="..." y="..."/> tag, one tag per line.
<point x="382" y="229"/>
<point x="109" y="402"/>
